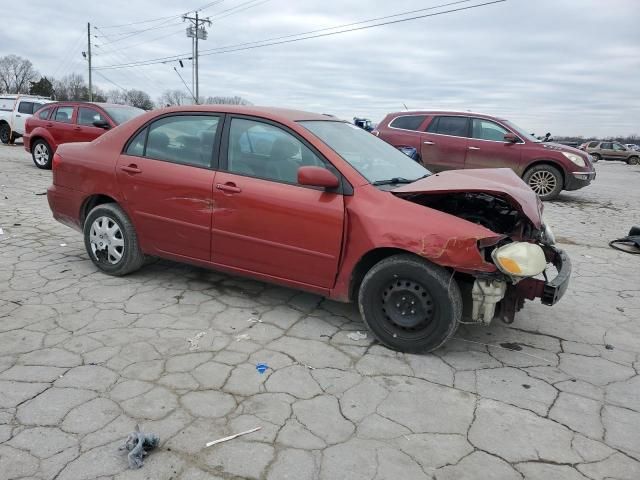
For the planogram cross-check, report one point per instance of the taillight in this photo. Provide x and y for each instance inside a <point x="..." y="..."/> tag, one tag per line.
<point x="56" y="160"/>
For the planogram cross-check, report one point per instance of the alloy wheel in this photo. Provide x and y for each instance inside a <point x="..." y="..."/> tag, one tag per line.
<point x="107" y="241"/>
<point x="543" y="182"/>
<point x="41" y="154"/>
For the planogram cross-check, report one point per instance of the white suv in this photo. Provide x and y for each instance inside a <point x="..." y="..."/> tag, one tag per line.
<point x="14" y="111"/>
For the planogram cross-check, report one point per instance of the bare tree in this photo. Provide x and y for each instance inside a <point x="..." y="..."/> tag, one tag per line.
<point x="16" y="73"/>
<point x="117" y="96"/>
<point x="71" y="87"/>
<point x="140" y="99"/>
<point x="236" y="100"/>
<point x="175" y="97"/>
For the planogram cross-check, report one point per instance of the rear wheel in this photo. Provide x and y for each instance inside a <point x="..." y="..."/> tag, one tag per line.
<point x="596" y="157"/>
<point x="633" y="161"/>
<point x="545" y="181"/>
<point x="111" y="240"/>
<point x="5" y="133"/>
<point x="409" y="304"/>
<point x="41" y="153"/>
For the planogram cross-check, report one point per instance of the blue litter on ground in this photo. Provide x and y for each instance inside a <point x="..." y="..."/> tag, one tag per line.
<point x="262" y="367"/>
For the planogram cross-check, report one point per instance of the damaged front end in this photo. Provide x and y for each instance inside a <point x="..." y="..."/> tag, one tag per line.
<point x="522" y="252"/>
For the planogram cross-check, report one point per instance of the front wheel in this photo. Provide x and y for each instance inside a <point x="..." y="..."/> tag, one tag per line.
<point x="595" y="157"/>
<point x="545" y="181"/>
<point x="41" y="153"/>
<point x="409" y="304"/>
<point x="5" y="133"/>
<point x="632" y="161"/>
<point x="111" y="240"/>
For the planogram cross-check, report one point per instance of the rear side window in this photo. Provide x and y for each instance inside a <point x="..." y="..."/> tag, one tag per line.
<point x="64" y="114"/>
<point x="44" y="113"/>
<point x="453" y="126"/>
<point x="86" y="116"/>
<point x="184" y="139"/>
<point x="26" y="107"/>
<point x="408" y="122"/>
<point x="593" y="145"/>
<point x="606" y="145"/>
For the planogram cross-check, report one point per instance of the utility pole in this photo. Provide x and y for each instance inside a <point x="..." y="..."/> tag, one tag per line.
<point x="197" y="32"/>
<point x="89" y="60"/>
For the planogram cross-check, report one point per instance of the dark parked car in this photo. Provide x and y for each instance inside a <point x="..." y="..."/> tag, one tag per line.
<point x="456" y="140"/>
<point x="66" y="122"/>
<point x="313" y="203"/>
<point x="613" y="151"/>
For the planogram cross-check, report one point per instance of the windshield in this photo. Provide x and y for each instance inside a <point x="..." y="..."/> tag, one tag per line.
<point x="122" y="114"/>
<point x="373" y="158"/>
<point x="521" y="131"/>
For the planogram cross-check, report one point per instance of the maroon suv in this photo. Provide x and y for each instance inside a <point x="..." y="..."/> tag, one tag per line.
<point x="456" y="140"/>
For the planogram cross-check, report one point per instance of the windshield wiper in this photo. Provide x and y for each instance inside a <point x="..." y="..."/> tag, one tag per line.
<point x="396" y="180"/>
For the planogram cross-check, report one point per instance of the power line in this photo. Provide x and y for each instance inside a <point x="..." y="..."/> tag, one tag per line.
<point x="303" y="36"/>
<point x="112" y="82"/>
<point x="210" y="4"/>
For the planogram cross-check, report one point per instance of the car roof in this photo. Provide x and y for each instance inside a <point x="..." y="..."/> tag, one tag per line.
<point x="83" y="103"/>
<point x="444" y="112"/>
<point x="275" y="113"/>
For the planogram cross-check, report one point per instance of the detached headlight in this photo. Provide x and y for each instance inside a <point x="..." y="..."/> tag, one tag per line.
<point x="520" y="259"/>
<point x="577" y="159"/>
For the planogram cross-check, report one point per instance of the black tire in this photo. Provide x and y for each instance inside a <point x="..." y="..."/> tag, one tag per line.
<point x="388" y="289"/>
<point x="545" y="180"/>
<point x="595" y="157"/>
<point x="132" y="258"/>
<point x="633" y="160"/>
<point x="5" y="133"/>
<point x="41" y="154"/>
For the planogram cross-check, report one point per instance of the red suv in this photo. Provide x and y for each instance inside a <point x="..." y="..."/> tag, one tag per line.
<point x="456" y="140"/>
<point x="67" y="122"/>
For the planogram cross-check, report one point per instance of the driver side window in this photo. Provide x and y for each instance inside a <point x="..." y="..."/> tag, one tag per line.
<point x="619" y="148"/>
<point x="487" y="130"/>
<point x="261" y="150"/>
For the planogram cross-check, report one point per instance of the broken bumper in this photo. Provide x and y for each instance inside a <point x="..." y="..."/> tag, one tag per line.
<point x="551" y="291"/>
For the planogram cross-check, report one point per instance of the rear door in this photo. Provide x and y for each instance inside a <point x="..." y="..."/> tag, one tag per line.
<point x="445" y="142"/>
<point x="265" y="222"/>
<point x="24" y="111"/>
<point x="606" y="150"/>
<point x="404" y="131"/>
<point x="166" y="177"/>
<point x="62" y="127"/>
<point x="487" y="148"/>
<point x="84" y="130"/>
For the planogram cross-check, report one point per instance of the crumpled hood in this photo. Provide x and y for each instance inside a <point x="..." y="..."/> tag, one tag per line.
<point x="502" y="182"/>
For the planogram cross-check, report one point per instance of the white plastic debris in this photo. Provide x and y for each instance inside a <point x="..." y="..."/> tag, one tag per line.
<point x="231" y="437"/>
<point x="357" y="336"/>
<point x="243" y="336"/>
<point x="63" y="244"/>
<point x="254" y="320"/>
<point x="1" y="231"/>
<point x="193" y="342"/>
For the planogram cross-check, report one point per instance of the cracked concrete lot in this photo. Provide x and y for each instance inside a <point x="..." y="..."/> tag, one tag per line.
<point x="84" y="357"/>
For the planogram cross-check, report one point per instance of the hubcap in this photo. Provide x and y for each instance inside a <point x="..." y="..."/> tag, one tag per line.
<point x="41" y="154"/>
<point x="543" y="182"/>
<point x="407" y="305"/>
<point x="107" y="242"/>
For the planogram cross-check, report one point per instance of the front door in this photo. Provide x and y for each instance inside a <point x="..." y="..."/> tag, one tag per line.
<point x="444" y="144"/>
<point x="85" y="130"/>
<point x="265" y="222"/>
<point x="166" y="177"/>
<point x="487" y="148"/>
<point x="62" y="124"/>
<point x="619" y="151"/>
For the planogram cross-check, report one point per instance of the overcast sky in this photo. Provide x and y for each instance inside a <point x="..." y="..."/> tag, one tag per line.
<point x="571" y="67"/>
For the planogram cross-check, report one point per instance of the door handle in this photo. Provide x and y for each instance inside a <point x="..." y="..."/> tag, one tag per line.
<point x="130" y="168"/>
<point x="228" y="187"/>
<point x="77" y="128"/>
<point x="18" y="115"/>
<point x="474" y="148"/>
<point x="49" y="125"/>
<point x="428" y="143"/>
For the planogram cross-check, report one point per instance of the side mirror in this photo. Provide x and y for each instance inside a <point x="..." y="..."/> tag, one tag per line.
<point x="511" y="138"/>
<point x="317" y="177"/>
<point x="102" y="124"/>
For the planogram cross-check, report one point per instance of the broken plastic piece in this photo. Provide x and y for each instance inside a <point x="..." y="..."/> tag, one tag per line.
<point x="1" y="231"/>
<point x="356" y="336"/>
<point x="63" y="244"/>
<point x="138" y="444"/>
<point x="231" y="437"/>
<point x="193" y="342"/>
<point x="243" y="336"/>
<point x="262" y="367"/>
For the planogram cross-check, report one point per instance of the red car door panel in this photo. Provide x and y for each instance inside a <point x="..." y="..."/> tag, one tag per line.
<point x="270" y="225"/>
<point x="84" y="130"/>
<point x="444" y="144"/>
<point x="487" y="148"/>
<point x="62" y="127"/>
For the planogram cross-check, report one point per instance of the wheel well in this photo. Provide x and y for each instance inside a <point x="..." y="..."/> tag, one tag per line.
<point x="92" y="202"/>
<point x="367" y="261"/>
<point x="3" y="122"/>
<point x="551" y="164"/>
<point x="35" y="139"/>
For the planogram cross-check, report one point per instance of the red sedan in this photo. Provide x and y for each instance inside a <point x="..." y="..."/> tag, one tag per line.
<point x="66" y="122"/>
<point x="311" y="202"/>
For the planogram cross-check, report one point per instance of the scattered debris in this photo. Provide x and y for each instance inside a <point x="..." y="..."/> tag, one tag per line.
<point x="63" y="244"/>
<point x="620" y="309"/>
<point x="262" y="367"/>
<point x="500" y="346"/>
<point x="356" y="336"/>
<point x="1" y="231"/>
<point x="43" y="193"/>
<point x="193" y="342"/>
<point x="608" y="346"/>
<point x="306" y="366"/>
<point x="231" y="437"/>
<point x="65" y="270"/>
<point x="526" y="385"/>
<point x="17" y="224"/>
<point x="242" y="336"/>
<point x="511" y="346"/>
<point x="254" y="320"/>
<point x="587" y="256"/>
<point x="137" y="444"/>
